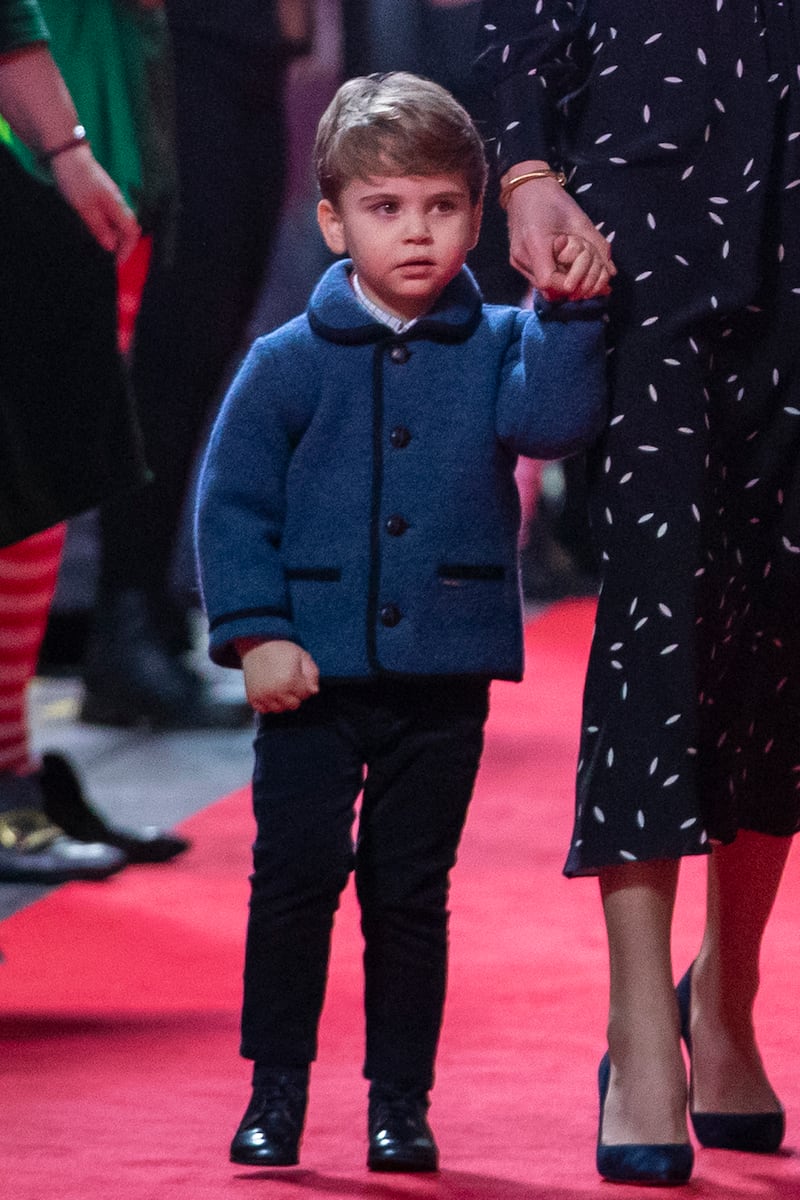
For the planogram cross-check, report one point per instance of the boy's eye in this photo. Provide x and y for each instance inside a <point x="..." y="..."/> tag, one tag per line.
<point x="387" y="206"/>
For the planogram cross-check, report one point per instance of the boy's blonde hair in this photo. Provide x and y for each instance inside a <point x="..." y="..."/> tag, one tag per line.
<point x="396" y="124"/>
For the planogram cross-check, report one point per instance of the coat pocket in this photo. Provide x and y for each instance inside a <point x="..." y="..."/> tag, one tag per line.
<point x="457" y="574"/>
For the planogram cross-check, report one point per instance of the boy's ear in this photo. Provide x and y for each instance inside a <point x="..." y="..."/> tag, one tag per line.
<point x="477" y="217"/>
<point x="330" y="224"/>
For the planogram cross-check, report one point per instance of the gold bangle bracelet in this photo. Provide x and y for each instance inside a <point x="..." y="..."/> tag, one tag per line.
<point x="542" y="173"/>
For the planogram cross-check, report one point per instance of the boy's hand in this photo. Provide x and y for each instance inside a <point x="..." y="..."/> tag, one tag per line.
<point x="279" y="676"/>
<point x="585" y="269"/>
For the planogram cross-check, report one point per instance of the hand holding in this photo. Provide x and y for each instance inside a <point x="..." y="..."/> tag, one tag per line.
<point x="540" y="215"/>
<point x="585" y="268"/>
<point x="279" y="676"/>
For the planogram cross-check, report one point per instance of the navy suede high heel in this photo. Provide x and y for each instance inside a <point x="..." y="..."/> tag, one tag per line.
<point x="754" y="1133"/>
<point x="659" y="1164"/>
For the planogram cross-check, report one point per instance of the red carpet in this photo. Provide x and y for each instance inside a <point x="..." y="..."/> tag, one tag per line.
<point x="119" y="1010"/>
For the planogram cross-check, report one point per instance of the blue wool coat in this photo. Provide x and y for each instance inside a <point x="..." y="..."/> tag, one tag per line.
<point x="357" y="495"/>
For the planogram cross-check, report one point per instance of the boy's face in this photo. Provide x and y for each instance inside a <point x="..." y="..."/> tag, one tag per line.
<point x="408" y="236"/>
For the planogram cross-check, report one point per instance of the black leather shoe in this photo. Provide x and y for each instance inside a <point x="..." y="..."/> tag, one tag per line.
<point x="270" y="1130"/>
<point x="130" y="678"/>
<point x="66" y="805"/>
<point x="34" y="850"/>
<point x="400" y="1138"/>
<point x="158" y="702"/>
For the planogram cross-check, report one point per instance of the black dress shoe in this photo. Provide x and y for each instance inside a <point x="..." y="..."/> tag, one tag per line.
<point x="270" y="1130"/>
<point x="66" y="805"/>
<point x="34" y="850"/>
<point x="400" y="1138"/>
<point x="130" y="678"/>
<point x="170" y="700"/>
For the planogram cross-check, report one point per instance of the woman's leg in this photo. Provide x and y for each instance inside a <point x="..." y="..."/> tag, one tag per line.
<point x="646" y="1100"/>
<point x="28" y="574"/>
<point x="743" y="880"/>
<point x="34" y="850"/>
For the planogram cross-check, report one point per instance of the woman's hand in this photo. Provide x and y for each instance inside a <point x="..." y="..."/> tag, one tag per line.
<point x="553" y="242"/>
<point x="37" y="105"/>
<point x="96" y="199"/>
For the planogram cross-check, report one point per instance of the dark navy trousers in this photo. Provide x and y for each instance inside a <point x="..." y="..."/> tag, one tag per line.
<point x="411" y="749"/>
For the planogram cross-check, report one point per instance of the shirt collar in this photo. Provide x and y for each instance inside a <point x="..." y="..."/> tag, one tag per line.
<point x="336" y="314"/>
<point x="396" y="324"/>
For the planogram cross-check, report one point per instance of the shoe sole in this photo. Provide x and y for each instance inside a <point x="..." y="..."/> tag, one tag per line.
<point x="399" y="1166"/>
<point x="122" y="716"/>
<point x="244" y="1161"/>
<point x="50" y="878"/>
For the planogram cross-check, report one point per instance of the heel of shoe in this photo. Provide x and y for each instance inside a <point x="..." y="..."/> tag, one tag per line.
<point x="107" y="711"/>
<point x="683" y="995"/>
<point x="752" y="1133"/>
<point x="665" y="1164"/>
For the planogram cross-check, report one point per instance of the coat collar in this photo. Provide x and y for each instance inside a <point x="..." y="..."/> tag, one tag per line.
<point x="335" y="314"/>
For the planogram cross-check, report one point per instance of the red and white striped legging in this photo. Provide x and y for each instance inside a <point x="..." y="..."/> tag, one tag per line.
<point x="28" y="574"/>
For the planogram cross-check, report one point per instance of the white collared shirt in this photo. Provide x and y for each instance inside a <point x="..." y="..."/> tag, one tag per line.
<point x="396" y="324"/>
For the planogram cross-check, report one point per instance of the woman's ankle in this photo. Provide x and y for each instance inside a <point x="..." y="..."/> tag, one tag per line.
<point x="728" y="1074"/>
<point x="647" y="1095"/>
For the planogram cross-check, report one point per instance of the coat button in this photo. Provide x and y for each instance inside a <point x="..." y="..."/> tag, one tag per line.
<point x="400" y="437"/>
<point x="396" y="525"/>
<point x="400" y="354"/>
<point x="390" y="615"/>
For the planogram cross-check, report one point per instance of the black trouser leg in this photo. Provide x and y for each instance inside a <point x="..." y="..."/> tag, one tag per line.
<point x="306" y="780"/>
<point x="413" y="812"/>
<point x="421" y="744"/>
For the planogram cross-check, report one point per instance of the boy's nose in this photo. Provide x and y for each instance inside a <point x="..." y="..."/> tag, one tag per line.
<point x="417" y="228"/>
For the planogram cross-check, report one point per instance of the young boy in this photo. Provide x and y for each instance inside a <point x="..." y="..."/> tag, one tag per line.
<point x="357" y="531"/>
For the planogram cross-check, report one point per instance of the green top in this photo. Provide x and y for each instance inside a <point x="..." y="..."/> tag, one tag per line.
<point x="21" y="23"/>
<point x="105" y="50"/>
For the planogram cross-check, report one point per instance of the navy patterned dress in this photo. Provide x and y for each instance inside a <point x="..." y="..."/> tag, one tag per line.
<point x="679" y="127"/>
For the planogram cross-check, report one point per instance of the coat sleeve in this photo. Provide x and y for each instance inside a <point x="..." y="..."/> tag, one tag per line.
<point x="552" y="399"/>
<point x="531" y="58"/>
<point x="240" y="510"/>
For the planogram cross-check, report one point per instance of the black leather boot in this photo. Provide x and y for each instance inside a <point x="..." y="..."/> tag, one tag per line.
<point x="400" y="1138"/>
<point x="270" y="1130"/>
<point x="130" y="678"/>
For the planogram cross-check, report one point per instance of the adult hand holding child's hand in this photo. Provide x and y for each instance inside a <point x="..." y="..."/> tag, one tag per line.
<point x="553" y="242"/>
